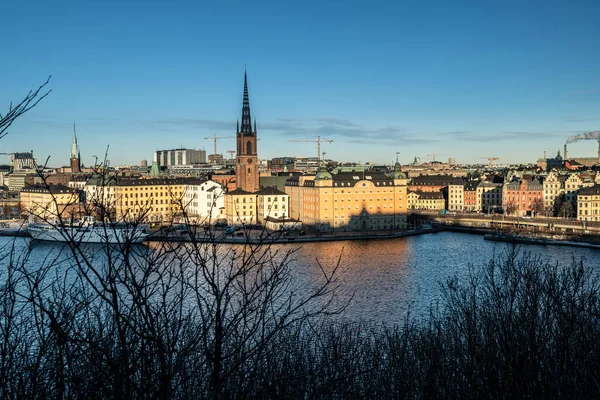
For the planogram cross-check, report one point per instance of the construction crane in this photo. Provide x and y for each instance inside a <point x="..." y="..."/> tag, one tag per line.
<point x="491" y="160"/>
<point x="432" y="155"/>
<point x="214" y="137"/>
<point x="319" y="140"/>
<point x="231" y="153"/>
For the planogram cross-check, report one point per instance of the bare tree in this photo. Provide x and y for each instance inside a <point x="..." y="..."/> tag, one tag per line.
<point x="537" y="206"/>
<point x="510" y="208"/>
<point x="30" y="101"/>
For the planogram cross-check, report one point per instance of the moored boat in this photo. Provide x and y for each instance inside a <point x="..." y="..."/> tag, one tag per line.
<point x="89" y="231"/>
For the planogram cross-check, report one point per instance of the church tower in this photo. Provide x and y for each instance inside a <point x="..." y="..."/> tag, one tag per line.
<point x="75" y="157"/>
<point x="246" y="170"/>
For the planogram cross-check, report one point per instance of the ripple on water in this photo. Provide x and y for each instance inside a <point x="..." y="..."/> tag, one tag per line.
<point x="386" y="278"/>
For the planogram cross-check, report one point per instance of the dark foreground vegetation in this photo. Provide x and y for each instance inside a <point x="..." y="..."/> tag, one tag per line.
<point x="141" y="325"/>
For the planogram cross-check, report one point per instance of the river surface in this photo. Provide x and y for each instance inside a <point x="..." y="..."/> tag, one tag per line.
<point x="386" y="278"/>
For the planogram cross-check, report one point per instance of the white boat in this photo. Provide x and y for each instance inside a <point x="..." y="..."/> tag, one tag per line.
<point x="89" y="231"/>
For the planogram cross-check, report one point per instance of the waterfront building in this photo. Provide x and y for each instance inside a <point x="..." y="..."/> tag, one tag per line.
<point x="272" y="204"/>
<point x="588" y="203"/>
<point x="489" y="196"/>
<point x="49" y="202"/>
<point x="524" y="196"/>
<point x="149" y="200"/>
<point x="351" y="201"/>
<point x="166" y="158"/>
<point x="240" y="207"/>
<point x="554" y="190"/>
<point x="456" y="196"/>
<point x="470" y="195"/>
<point x="419" y="200"/>
<point x="204" y="201"/>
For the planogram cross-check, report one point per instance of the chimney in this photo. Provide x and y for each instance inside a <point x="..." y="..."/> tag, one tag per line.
<point x="544" y="154"/>
<point x="599" y="151"/>
<point x="565" y="152"/>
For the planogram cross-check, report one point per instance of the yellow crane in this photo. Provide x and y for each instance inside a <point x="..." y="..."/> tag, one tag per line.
<point x="214" y="137"/>
<point x="319" y="140"/>
<point x="491" y="160"/>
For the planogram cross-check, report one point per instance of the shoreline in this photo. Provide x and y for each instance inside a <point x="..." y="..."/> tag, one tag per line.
<point x="489" y="234"/>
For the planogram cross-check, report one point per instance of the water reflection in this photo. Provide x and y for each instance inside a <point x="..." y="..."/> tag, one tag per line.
<point x="384" y="278"/>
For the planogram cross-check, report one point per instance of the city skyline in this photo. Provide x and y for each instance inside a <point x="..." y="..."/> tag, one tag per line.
<point x="465" y="81"/>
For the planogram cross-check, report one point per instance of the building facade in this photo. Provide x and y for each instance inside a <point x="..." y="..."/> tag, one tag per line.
<point x="204" y="202"/>
<point x="523" y="197"/>
<point x="349" y="201"/>
<point x="146" y="200"/>
<point x="49" y="202"/>
<point x="489" y="196"/>
<point x="166" y="158"/>
<point x="456" y="196"/>
<point x="588" y="204"/>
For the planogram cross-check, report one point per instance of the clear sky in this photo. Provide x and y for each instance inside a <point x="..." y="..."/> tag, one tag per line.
<point x="464" y="79"/>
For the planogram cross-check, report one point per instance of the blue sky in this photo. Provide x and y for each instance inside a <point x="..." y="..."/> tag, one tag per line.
<point x="464" y="79"/>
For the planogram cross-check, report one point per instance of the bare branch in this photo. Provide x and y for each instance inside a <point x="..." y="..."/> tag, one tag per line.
<point x="30" y="101"/>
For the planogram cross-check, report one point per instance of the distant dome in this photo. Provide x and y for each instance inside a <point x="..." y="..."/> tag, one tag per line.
<point x="397" y="174"/>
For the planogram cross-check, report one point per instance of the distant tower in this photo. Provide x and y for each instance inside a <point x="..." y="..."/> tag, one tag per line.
<point x="246" y="171"/>
<point x="75" y="156"/>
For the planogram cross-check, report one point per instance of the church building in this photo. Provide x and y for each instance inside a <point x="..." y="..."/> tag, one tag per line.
<point x="75" y="161"/>
<point x="249" y="203"/>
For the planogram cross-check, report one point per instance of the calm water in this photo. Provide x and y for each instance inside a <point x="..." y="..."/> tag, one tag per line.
<point x="386" y="278"/>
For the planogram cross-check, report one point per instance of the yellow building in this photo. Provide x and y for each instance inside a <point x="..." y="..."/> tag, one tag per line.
<point x="148" y="200"/>
<point x="418" y="200"/>
<point x="351" y="201"/>
<point x="48" y="202"/>
<point x="243" y="207"/>
<point x="240" y="207"/>
<point x="588" y="204"/>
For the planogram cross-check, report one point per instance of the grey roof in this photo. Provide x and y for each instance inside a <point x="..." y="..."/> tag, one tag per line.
<point x="42" y="188"/>
<point x="589" y="191"/>
<point x="270" y="191"/>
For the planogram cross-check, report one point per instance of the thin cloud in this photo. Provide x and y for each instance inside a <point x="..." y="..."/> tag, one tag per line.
<point x="497" y="136"/>
<point x="581" y="119"/>
<point x="210" y="124"/>
<point x="585" y="92"/>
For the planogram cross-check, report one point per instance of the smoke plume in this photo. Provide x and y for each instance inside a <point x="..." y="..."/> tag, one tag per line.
<point x="595" y="135"/>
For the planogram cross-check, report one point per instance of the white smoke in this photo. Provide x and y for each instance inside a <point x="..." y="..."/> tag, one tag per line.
<point x="595" y="135"/>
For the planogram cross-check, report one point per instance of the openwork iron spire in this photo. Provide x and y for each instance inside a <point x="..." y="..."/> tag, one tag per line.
<point x="246" y="120"/>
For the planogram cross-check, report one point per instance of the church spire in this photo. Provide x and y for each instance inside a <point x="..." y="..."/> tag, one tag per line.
<point x="74" y="145"/>
<point x="246" y="120"/>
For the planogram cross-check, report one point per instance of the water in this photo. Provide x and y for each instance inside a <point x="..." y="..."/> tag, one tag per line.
<point x="384" y="278"/>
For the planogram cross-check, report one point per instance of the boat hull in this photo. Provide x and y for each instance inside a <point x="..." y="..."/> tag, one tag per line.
<point x="90" y="234"/>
